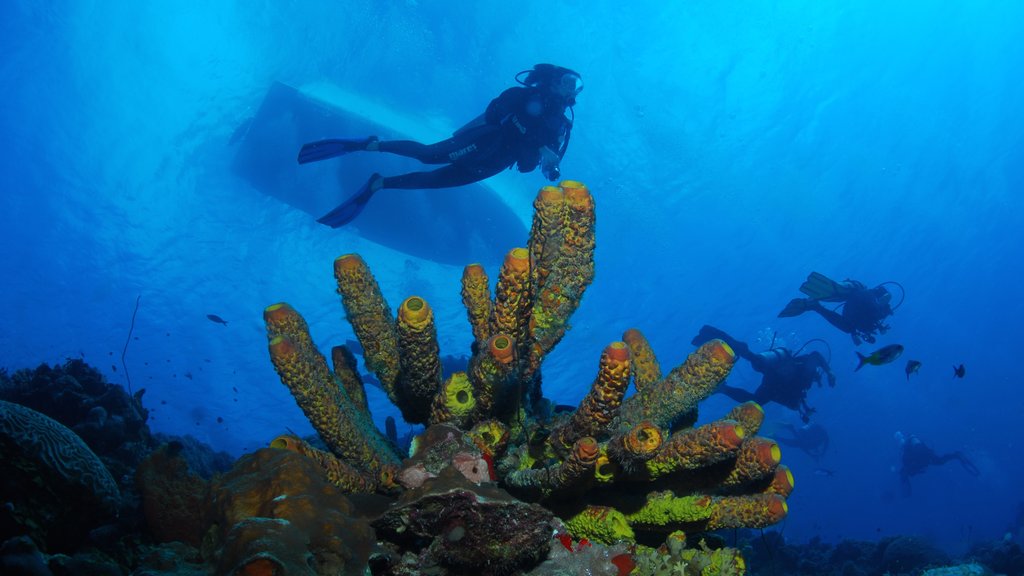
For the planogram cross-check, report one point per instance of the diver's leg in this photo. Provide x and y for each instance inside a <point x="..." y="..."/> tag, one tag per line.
<point x="444" y="177"/>
<point x="443" y="152"/>
<point x="831" y="316"/>
<point x="737" y="394"/>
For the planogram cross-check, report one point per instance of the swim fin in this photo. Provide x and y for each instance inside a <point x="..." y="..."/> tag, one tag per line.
<point x="349" y="209"/>
<point x="821" y="287"/>
<point x="331" y="148"/>
<point x="796" y="307"/>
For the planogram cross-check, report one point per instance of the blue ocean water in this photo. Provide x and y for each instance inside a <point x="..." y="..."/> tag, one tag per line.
<point x="731" y="151"/>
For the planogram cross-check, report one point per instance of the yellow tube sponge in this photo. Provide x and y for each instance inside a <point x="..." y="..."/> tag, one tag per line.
<point x="685" y="386"/>
<point x="490" y="436"/>
<point x="454" y="402"/>
<point x="646" y="370"/>
<point x="546" y="232"/>
<point x="419" y="358"/>
<point x="755" y="462"/>
<point x="476" y="297"/>
<point x="665" y="511"/>
<point x="347" y="431"/>
<point x="600" y="524"/>
<point x="750" y="415"/>
<point x="695" y="448"/>
<point x="599" y="407"/>
<point x="751" y="511"/>
<point x="339" y="473"/>
<point x="512" y="297"/>
<point x="347" y="372"/>
<point x="371" y="319"/>
<point x="492" y="371"/>
<point x="569" y="273"/>
<point x="782" y="482"/>
<point x="575" y="471"/>
<point x="636" y="446"/>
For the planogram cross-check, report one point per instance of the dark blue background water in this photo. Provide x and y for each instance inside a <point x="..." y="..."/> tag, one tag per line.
<point x="731" y="150"/>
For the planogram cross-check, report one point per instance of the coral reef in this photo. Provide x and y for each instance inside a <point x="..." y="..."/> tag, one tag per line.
<point x="172" y="496"/>
<point x="617" y="467"/>
<point x="52" y="475"/>
<point x="275" y="513"/>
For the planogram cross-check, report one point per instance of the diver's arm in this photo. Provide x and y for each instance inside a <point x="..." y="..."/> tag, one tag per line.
<point x="504" y="105"/>
<point x="822" y="364"/>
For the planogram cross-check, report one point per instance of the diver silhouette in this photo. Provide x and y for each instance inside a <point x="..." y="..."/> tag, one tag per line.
<point x="811" y="438"/>
<point x="786" y="375"/>
<point x="526" y="125"/>
<point x="861" y="310"/>
<point x="916" y="457"/>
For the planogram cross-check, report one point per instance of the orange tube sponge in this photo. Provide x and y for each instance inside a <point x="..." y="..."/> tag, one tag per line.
<point x="546" y="232"/>
<point x="371" y="319"/>
<point x="750" y="415"/>
<point x="476" y="296"/>
<point x="755" y="462"/>
<point x="454" y="403"/>
<point x="492" y="371"/>
<point x="282" y="320"/>
<point x="420" y="376"/>
<point x="574" y="471"/>
<point x="753" y="511"/>
<point x="686" y="385"/>
<point x="599" y="407"/>
<point x="347" y="431"/>
<point x="339" y="473"/>
<point x="512" y="298"/>
<point x="568" y="274"/>
<point x="646" y="370"/>
<point x="636" y="446"/>
<point x="782" y="482"/>
<point x="694" y="448"/>
<point x="347" y="372"/>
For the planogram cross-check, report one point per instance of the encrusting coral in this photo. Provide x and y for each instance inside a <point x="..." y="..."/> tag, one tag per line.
<point x="616" y="466"/>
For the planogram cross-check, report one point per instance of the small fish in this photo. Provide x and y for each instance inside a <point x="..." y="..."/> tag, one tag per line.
<point x="217" y="319"/>
<point x="883" y="355"/>
<point x="188" y="375"/>
<point x="824" y="472"/>
<point x="912" y="367"/>
<point x="959" y="371"/>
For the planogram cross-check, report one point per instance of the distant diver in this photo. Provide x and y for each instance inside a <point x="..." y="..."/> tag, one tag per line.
<point x="916" y="457"/>
<point x="861" y="311"/>
<point x="526" y="125"/>
<point x="787" y="375"/>
<point x="811" y="438"/>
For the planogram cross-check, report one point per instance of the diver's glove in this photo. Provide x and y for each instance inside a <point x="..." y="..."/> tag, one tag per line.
<point x="549" y="163"/>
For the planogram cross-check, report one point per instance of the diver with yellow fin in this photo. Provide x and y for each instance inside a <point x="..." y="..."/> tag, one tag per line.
<point x="860" y="312"/>
<point x="526" y="125"/>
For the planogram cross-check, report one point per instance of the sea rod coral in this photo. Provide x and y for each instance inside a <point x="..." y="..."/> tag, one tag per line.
<point x="616" y="468"/>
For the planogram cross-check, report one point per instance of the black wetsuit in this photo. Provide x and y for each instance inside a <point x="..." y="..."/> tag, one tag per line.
<point x="786" y="377"/>
<point x="918" y="457"/>
<point x="516" y="125"/>
<point x="863" y="311"/>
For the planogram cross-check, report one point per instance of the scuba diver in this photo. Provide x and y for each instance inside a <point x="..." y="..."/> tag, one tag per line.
<point x="918" y="456"/>
<point x="787" y="375"/>
<point x="811" y="438"/>
<point x="526" y="125"/>
<point x="861" y="309"/>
